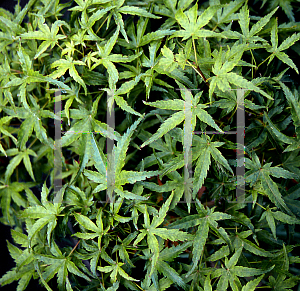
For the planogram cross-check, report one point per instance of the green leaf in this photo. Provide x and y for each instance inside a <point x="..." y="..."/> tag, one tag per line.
<point x="12" y="165"/>
<point x="193" y="26"/>
<point x="244" y="20"/>
<point x="258" y="26"/>
<point x="86" y="222"/>
<point x="272" y="191"/>
<point x="137" y="11"/>
<point x="122" y="147"/>
<point x="251" y="285"/>
<point x="227" y="13"/>
<point x="168" y="124"/>
<point x="111" y="42"/>
<point x="288" y="42"/>
<point x="285" y="218"/>
<point x="63" y="65"/>
<point x="277" y="51"/>
<point x="202" y="166"/>
<point x="158" y="220"/>
<point x="199" y="243"/>
<point x="247" y="272"/>
<point x="49" y="37"/>
<point x="207" y="284"/>
<point x="170" y="273"/>
<point x="275" y="130"/>
<point x="295" y="110"/>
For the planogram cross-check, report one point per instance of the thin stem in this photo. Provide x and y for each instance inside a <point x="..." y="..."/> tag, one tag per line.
<point x="199" y="72"/>
<point x="264" y="61"/>
<point x="60" y="46"/>
<point x="82" y="50"/>
<point x="61" y="28"/>
<point x="233" y="113"/>
<point x="214" y="281"/>
<point x="101" y="24"/>
<point x="74" y="249"/>
<point x="253" y="59"/>
<point x="181" y="45"/>
<point x="32" y="143"/>
<point x="45" y="104"/>
<point x="116" y="252"/>
<point x="194" y="46"/>
<point x="215" y="27"/>
<point x="17" y="71"/>
<point x="195" y="69"/>
<point x="138" y="286"/>
<point x="261" y="206"/>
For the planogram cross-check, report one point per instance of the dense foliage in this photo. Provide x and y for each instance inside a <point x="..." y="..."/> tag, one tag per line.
<point x="144" y="55"/>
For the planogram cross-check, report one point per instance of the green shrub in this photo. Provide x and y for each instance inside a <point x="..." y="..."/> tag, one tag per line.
<point x="118" y="220"/>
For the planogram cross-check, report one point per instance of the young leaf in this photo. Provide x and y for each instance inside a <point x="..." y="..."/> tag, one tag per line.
<point x="50" y="37"/>
<point x="277" y="51"/>
<point x="63" y="65"/>
<point x="197" y="110"/>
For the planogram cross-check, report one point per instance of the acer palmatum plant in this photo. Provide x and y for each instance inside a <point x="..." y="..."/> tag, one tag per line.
<point x="167" y="73"/>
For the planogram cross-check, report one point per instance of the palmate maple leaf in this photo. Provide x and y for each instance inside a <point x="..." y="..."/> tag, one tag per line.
<point x="166" y="257"/>
<point x="115" y="270"/>
<point x="137" y="35"/>
<point x="119" y="9"/>
<point x="29" y="76"/>
<point x="63" y="65"/>
<point x="193" y="25"/>
<point x="112" y="177"/>
<point x="206" y="219"/>
<point x="249" y="35"/>
<point x="196" y="109"/>
<point x="151" y="230"/>
<point x="278" y="50"/>
<point x="104" y="57"/>
<point x="278" y="215"/>
<point x="50" y="37"/>
<point x="206" y="148"/>
<point x="59" y="264"/>
<point x="46" y="214"/>
<point x="259" y="173"/>
<point x="169" y="8"/>
<point x="230" y="273"/>
<point x="224" y="76"/>
<point x="10" y="192"/>
<point x="32" y="122"/>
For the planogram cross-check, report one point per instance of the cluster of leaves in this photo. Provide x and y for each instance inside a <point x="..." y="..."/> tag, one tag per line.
<point x="118" y="220"/>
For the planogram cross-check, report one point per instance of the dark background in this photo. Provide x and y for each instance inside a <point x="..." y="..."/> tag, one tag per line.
<point x="10" y="4"/>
